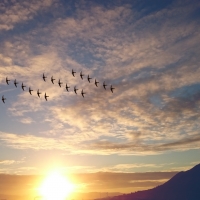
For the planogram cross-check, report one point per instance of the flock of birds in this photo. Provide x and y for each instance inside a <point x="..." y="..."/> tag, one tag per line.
<point x="59" y="83"/>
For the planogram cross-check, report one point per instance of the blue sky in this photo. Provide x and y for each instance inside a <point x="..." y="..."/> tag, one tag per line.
<point x="149" y="51"/>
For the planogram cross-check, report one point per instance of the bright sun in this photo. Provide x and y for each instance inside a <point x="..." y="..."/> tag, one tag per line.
<point x="56" y="187"/>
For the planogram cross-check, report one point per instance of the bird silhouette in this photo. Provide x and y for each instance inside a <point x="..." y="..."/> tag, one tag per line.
<point x="112" y="88"/>
<point x="30" y="91"/>
<point x="3" y="99"/>
<point x="44" y="77"/>
<point x="7" y="81"/>
<point x="104" y="85"/>
<point x="23" y="86"/>
<point x="52" y="79"/>
<point x="83" y="93"/>
<point x="67" y="87"/>
<point x="75" y="89"/>
<point x="15" y="83"/>
<point x="96" y="82"/>
<point x="45" y="96"/>
<point x="59" y="83"/>
<point x="89" y="78"/>
<point x="38" y="93"/>
<point x="73" y="72"/>
<point x="81" y="75"/>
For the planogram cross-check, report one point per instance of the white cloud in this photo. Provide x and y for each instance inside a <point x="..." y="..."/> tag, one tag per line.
<point x="20" y="11"/>
<point x="145" y="61"/>
<point x="10" y="162"/>
<point x="27" y="120"/>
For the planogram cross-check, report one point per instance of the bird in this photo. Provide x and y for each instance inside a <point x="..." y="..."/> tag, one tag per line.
<point x="96" y="82"/>
<point x="73" y="72"/>
<point x="75" y="89"/>
<point x="23" y="86"/>
<point x="38" y="93"/>
<point x="30" y="90"/>
<point x="15" y="83"/>
<point x="45" y="96"/>
<point x="104" y="85"/>
<point x="3" y="99"/>
<point x="44" y="77"/>
<point x="52" y="79"/>
<point x="59" y="83"/>
<point x="89" y="78"/>
<point x="83" y="93"/>
<point x="67" y="87"/>
<point x="7" y="80"/>
<point x="111" y="88"/>
<point x="81" y="75"/>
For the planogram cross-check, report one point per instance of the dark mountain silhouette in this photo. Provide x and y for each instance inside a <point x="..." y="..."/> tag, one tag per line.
<point x="183" y="186"/>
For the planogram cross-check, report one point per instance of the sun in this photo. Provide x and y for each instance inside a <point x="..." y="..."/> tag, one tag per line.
<point x="56" y="187"/>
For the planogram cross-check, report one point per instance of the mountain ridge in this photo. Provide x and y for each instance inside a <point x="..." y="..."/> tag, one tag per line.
<point x="183" y="186"/>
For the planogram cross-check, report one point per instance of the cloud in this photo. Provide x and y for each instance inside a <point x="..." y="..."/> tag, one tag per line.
<point x="27" y="120"/>
<point x="10" y="162"/>
<point x="22" y="184"/>
<point x="149" y="58"/>
<point x="13" y="13"/>
<point x="191" y="142"/>
<point x="31" y="142"/>
<point x="128" y="181"/>
<point x="101" y="147"/>
<point x="136" y="167"/>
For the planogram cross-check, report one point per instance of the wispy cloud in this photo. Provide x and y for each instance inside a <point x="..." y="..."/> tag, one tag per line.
<point x="27" y="120"/>
<point x="20" y="12"/>
<point x="10" y="162"/>
<point x="96" y="182"/>
<point x="152" y="61"/>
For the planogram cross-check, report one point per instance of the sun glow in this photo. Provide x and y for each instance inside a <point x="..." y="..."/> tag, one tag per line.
<point x="56" y="187"/>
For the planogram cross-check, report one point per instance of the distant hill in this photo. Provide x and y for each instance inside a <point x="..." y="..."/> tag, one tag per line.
<point x="92" y="195"/>
<point x="183" y="186"/>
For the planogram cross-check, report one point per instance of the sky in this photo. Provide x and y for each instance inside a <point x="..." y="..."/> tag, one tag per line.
<point x="141" y="134"/>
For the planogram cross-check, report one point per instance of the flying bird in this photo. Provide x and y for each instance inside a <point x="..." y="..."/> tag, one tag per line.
<point x="52" y="79"/>
<point x="7" y="80"/>
<point x="23" y="86"/>
<point x="112" y="88"/>
<point x="83" y="93"/>
<point x="73" y="72"/>
<point x="75" y="89"/>
<point x="81" y="75"/>
<point x="44" y="77"/>
<point x="45" y="96"/>
<point x="96" y="82"/>
<point x="67" y="87"/>
<point x="15" y="83"/>
<point x="89" y="78"/>
<point x="3" y="99"/>
<point x="30" y="91"/>
<point x="38" y="93"/>
<point x="104" y="85"/>
<point x="59" y="83"/>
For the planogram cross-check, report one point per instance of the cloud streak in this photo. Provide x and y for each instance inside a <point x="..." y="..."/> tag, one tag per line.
<point x="20" y="12"/>
<point x="152" y="61"/>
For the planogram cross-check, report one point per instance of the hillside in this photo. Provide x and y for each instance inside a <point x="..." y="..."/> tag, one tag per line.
<point x="183" y="186"/>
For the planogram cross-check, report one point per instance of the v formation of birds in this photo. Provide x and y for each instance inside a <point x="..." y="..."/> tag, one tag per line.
<point x="59" y="83"/>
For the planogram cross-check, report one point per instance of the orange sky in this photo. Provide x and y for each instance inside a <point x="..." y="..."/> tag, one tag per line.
<point x="19" y="185"/>
<point x="147" y="50"/>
